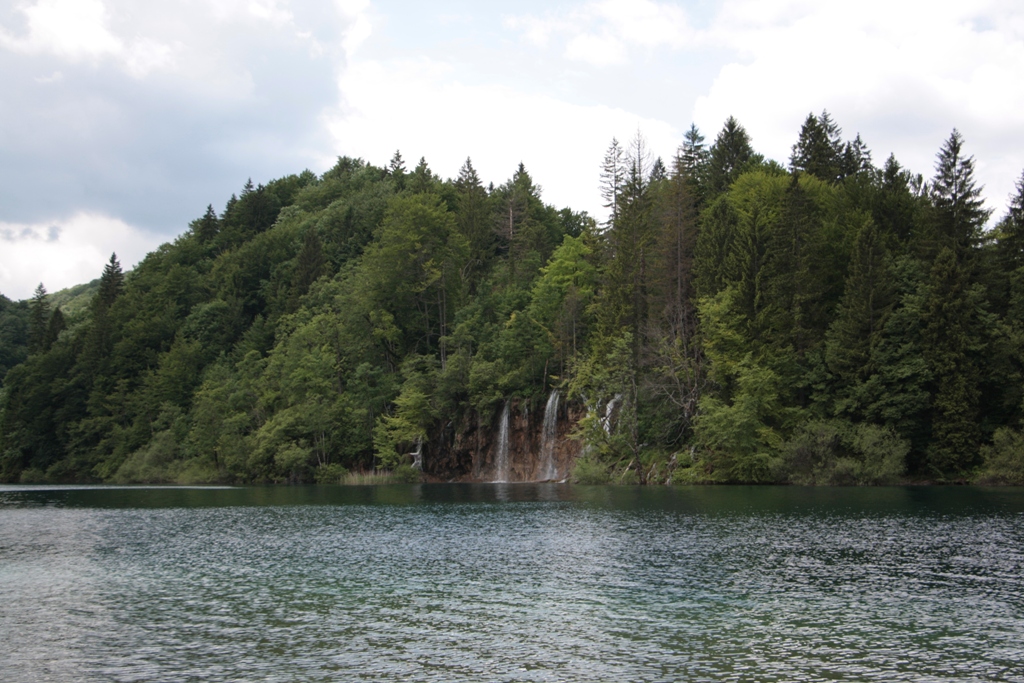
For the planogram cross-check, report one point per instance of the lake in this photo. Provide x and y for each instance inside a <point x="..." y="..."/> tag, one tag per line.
<point x="514" y="582"/>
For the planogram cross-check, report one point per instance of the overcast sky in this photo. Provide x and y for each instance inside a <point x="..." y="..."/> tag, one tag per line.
<point x="120" y="120"/>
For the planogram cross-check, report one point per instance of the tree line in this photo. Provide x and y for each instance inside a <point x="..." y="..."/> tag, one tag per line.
<point x="733" y="320"/>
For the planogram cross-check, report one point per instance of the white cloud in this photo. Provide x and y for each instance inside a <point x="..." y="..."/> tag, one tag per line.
<point x="69" y="28"/>
<point x="359" y="28"/>
<point x="421" y="108"/>
<point x="646" y="23"/>
<point x="79" y="30"/>
<point x="599" y="50"/>
<point x="901" y="73"/>
<point x="601" y="33"/>
<point x="65" y="253"/>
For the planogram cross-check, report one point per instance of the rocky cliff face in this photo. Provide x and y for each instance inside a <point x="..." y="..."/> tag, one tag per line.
<point x="470" y="449"/>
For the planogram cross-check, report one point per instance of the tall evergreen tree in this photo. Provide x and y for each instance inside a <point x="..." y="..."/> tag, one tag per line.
<point x="894" y="207"/>
<point x="612" y="177"/>
<point x="959" y="209"/>
<point x="39" y="318"/>
<point x="952" y="340"/>
<point x="691" y="163"/>
<point x="658" y="171"/>
<point x="856" y="158"/>
<point x="207" y="227"/>
<point x="111" y="283"/>
<point x="692" y="156"/>
<point x="868" y="299"/>
<point x="630" y="241"/>
<point x="819" y="149"/>
<point x="1010" y="232"/>
<point x="728" y="157"/>
<point x="422" y="179"/>
<point x="56" y="325"/>
<point x="396" y="169"/>
<point x="676" y="240"/>
<point x="473" y="217"/>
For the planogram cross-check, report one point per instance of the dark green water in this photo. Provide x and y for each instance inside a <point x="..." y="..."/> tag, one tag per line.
<point x="511" y="583"/>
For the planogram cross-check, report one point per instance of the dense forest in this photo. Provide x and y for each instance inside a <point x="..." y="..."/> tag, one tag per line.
<point x="829" y="322"/>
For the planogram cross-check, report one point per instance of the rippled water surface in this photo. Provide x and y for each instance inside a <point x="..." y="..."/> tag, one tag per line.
<point x="511" y="583"/>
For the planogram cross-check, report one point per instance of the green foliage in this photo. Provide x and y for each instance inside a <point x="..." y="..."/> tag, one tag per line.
<point x="729" y="322"/>
<point x="838" y="453"/>
<point x="819" y="150"/>
<point x="590" y="470"/>
<point x="1003" y="461"/>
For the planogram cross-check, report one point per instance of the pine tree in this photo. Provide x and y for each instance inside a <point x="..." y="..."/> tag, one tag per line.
<point x="422" y="179"/>
<point x="111" y="284"/>
<point x="630" y="240"/>
<point x="856" y="158"/>
<point x="959" y="211"/>
<point x="658" y="171"/>
<point x="56" y="325"/>
<point x="868" y="299"/>
<point x="792" y="291"/>
<point x="952" y="337"/>
<point x="39" y="318"/>
<point x="729" y="156"/>
<point x="472" y="217"/>
<point x="676" y="238"/>
<point x="1010" y="233"/>
<point x="819" y="150"/>
<point x="692" y="156"/>
<point x="396" y="169"/>
<point x="691" y="163"/>
<point x="894" y="206"/>
<point x="207" y="227"/>
<point x="612" y="177"/>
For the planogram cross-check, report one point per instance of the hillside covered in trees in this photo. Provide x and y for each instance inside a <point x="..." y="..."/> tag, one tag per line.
<point x="829" y="322"/>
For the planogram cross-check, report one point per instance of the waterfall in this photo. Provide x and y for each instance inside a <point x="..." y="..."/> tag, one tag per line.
<point x="606" y="421"/>
<point x="548" y="470"/>
<point x="501" y="467"/>
<point x="417" y="455"/>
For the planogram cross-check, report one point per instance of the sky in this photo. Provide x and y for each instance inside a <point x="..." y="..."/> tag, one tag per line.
<point x="121" y="120"/>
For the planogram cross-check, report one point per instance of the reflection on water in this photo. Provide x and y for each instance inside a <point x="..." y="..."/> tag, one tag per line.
<point x="511" y="582"/>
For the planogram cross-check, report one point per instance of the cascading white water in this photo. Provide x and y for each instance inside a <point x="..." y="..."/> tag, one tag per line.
<point x="548" y="469"/>
<point x="501" y="465"/>
<point x="417" y="455"/>
<point x="606" y="421"/>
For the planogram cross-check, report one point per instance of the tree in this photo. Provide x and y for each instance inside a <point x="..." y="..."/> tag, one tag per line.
<point x="396" y="167"/>
<point x="111" y="283"/>
<point x="952" y="342"/>
<point x="856" y="158"/>
<point x="658" y="171"/>
<point x="672" y="269"/>
<point x="692" y="157"/>
<point x="562" y="295"/>
<point x="630" y="241"/>
<point x="729" y="156"/>
<point x="422" y="179"/>
<point x="959" y="209"/>
<point x="819" y="149"/>
<point x="894" y="206"/>
<point x="855" y="333"/>
<point x="56" y="325"/>
<point x="473" y="218"/>
<point x="207" y="227"/>
<point x="1010" y="232"/>
<point x="612" y="176"/>
<point x="39" y="318"/>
